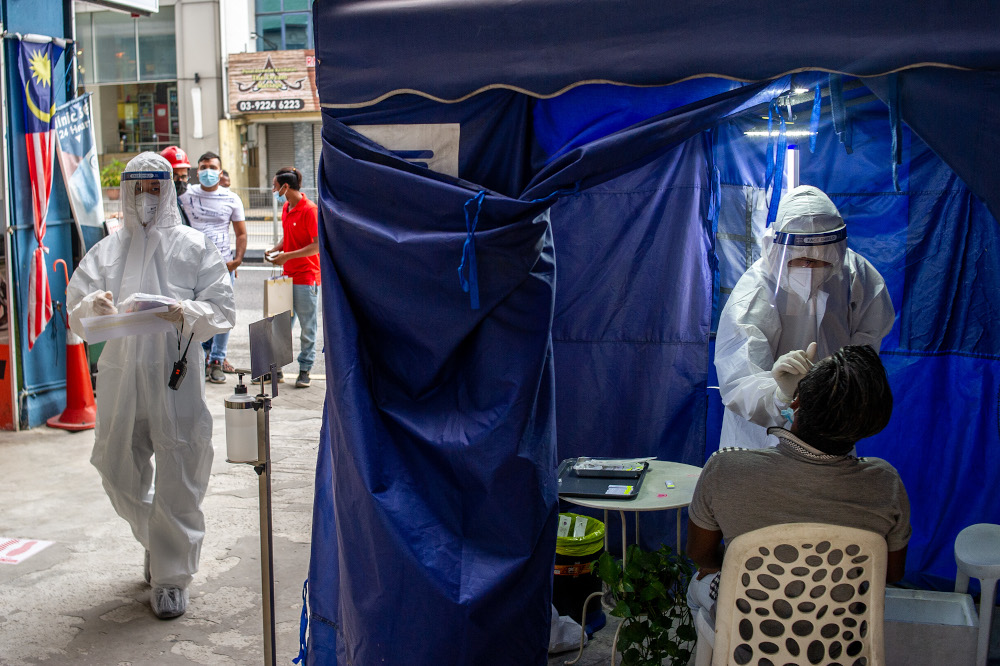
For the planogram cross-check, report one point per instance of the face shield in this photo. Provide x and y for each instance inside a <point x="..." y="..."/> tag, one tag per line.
<point x="804" y="262"/>
<point x="148" y="195"/>
<point x="807" y="245"/>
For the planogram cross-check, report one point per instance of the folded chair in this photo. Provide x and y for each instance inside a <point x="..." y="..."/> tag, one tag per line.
<point x="798" y="593"/>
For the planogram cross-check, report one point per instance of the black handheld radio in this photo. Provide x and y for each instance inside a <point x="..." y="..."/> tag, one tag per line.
<point x="180" y="368"/>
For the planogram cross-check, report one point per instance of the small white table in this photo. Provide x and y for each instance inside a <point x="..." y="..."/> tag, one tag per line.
<point x="653" y="496"/>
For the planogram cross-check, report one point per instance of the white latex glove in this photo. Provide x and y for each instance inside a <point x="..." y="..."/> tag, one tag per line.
<point x="174" y="314"/>
<point x="789" y="370"/>
<point x="104" y="303"/>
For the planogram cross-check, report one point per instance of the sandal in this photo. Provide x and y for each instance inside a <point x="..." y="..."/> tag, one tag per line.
<point x="228" y="368"/>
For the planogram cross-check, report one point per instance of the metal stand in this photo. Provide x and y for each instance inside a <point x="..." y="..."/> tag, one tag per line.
<point x="263" y="469"/>
<point x="270" y="349"/>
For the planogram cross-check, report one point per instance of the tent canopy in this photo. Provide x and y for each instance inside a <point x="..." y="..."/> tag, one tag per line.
<point x="450" y="49"/>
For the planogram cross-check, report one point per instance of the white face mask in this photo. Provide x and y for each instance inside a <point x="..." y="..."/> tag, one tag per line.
<point x="146" y="204"/>
<point x="802" y="281"/>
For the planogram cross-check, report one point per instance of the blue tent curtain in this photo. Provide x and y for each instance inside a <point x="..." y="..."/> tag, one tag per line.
<point x="435" y="476"/>
<point x="955" y="113"/>
<point x="493" y="153"/>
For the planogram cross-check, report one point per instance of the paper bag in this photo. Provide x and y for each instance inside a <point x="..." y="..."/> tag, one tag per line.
<point x="277" y="295"/>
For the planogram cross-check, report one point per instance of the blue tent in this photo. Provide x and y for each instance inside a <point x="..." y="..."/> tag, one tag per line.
<point x="549" y="286"/>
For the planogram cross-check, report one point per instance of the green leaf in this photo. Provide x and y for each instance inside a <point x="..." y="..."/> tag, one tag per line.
<point x="634" y="632"/>
<point x="632" y="657"/>
<point x="686" y="632"/>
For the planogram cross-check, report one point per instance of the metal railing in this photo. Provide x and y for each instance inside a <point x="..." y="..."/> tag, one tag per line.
<point x="262" y="213"/>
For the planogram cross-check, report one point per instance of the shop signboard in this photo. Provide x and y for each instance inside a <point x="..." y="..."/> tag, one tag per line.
<point x="272" y="82"/>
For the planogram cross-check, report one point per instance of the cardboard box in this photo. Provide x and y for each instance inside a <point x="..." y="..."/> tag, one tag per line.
<point x="929" y="628"/>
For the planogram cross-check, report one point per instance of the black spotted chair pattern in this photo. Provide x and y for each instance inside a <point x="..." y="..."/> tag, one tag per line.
<point x="799" y="593"/>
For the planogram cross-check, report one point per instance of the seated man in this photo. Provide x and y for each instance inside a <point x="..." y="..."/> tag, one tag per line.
<point x="810" y="476"/>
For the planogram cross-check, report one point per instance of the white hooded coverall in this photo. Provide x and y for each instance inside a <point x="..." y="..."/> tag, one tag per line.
<point x="774" y="309"/>
<point x="140" y="419"/>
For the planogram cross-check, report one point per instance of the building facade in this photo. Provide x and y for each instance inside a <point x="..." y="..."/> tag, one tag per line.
<point x="233" y="77"/>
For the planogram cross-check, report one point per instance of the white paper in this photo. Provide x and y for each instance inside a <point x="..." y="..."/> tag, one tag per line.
<point x="109" y="327"/>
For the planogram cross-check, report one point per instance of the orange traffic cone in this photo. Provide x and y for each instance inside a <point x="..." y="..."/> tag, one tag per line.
<point x="80" y="412"/>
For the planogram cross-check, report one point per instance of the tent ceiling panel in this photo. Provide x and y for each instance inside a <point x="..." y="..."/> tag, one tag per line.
<point x="451" y="49"/>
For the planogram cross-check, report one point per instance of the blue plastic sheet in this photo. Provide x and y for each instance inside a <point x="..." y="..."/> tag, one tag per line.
<point x="935" y="244"/>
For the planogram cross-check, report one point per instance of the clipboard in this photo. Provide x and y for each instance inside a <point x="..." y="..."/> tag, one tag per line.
<point x="572" y="484"/>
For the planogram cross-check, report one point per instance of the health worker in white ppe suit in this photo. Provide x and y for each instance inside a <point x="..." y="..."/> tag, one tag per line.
<point x="806" y="297"/>
<point x="139" y="418"/>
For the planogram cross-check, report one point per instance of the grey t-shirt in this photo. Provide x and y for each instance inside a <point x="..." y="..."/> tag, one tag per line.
<point x="742" y="490"/>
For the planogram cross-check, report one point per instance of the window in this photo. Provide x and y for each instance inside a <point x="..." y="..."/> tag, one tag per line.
<point x="284" y="25"/>
<point x="157" y="46"/>
<point x="116" y="48"/>
<point x="147" y="118"/>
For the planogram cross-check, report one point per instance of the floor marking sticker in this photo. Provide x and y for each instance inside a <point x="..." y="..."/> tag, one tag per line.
<point x="15" y="551"/>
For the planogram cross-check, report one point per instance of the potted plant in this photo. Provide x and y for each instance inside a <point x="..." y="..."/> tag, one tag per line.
<point x="651" y="598"/>
<point x="111" y="178"/>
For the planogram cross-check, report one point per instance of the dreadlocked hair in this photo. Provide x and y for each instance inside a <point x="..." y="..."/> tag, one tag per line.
<point x="844" y="398"/>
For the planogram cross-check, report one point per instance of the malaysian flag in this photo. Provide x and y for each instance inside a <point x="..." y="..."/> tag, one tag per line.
<point x="35" y="61"/>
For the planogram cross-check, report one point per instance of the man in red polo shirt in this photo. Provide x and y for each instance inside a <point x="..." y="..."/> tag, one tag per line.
<point x="298" y="253"/>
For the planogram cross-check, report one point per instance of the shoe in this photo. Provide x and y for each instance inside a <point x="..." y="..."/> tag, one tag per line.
<point x="228" y="368"/>
<point x="145" y="568"/>
<point x="281" y="377"/>
<point x="303" y="379"/>
<point x="215" y="374"/>
<point x="168" y="601"/>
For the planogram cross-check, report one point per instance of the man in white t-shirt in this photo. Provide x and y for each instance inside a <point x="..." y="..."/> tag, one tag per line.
<point x="211" y="209"/>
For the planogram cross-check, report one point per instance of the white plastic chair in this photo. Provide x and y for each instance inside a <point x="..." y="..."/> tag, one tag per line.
<point x="977" y="555"/>
<point x="801" y="593"/>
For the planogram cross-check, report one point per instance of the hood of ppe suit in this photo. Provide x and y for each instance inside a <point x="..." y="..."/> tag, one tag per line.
<point x="149" y="166"/>
<point x="807" y="210"/>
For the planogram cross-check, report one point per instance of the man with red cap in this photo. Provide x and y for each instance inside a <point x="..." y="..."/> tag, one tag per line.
<point x="179" y="163"/>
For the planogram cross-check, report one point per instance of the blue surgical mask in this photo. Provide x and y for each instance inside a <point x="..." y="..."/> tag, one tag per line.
<point x="280" y="198"/>
<point x="789" y="414"/>
<point x="208" y="177"/>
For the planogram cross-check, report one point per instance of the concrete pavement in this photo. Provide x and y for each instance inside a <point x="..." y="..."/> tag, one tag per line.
<point x="83" y="600"/>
